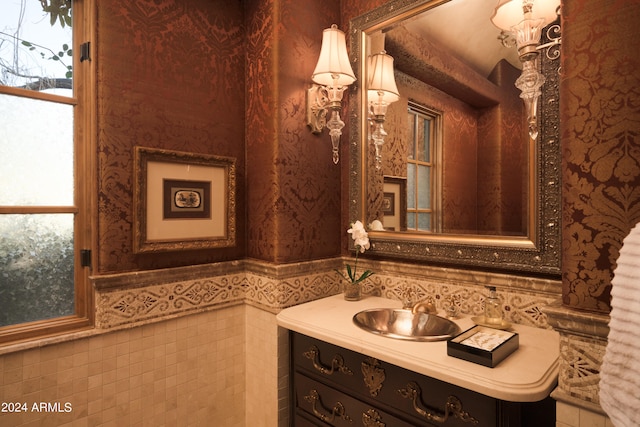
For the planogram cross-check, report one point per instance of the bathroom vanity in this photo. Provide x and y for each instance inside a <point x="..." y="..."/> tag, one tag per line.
<point x="342" y="375"/>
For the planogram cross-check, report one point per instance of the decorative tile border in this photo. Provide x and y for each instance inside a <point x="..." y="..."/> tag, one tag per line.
<point x="518" y="306"/>
<point x="131" y="298"/>
<point x="123" y="306"/>
<point x="139" y="297"/>
<point x="274" y="294"/>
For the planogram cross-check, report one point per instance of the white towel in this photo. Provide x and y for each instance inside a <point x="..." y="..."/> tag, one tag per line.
<point x="620" y="370"/>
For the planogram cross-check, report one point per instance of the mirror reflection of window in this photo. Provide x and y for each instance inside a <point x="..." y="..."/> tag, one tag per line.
<point x="422" y="168"/>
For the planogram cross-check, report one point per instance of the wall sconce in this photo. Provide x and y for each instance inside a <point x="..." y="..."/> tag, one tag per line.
<point x="332" y="75"/>
<point x="381" y="91"/>
<point x="524" y="20"/>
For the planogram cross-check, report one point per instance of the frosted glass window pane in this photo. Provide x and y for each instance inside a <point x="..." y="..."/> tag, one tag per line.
<point x="411" y="186"/>
<point x="411" y="221"/>
<point x="424" y="221"/>
<point x="36" y="148"/>
<point x="36" y="267"/>
<point x="424" y="134"/>
<point x="424" y="187"/>
<point x="35" y="53"/>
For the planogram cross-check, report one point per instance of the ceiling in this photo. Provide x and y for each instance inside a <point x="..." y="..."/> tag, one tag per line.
<point x="465" y="27"/>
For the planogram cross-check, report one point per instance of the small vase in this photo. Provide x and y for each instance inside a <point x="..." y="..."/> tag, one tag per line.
<point x="352" y="291"/>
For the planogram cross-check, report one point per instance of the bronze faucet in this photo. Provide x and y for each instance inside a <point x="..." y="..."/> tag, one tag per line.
<point x="426" y="306"/>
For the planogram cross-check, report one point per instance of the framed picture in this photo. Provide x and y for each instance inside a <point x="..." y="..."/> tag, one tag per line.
<point x="183" y="201"/>
<point x="389" y="203"/>
<point x="394" y="203"/>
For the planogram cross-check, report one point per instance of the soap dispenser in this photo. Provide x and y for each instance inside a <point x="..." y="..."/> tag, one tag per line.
<point x="492" y="309"/>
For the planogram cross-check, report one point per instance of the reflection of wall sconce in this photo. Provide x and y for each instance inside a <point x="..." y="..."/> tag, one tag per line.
<point x="381" y="91"/>
<point x="332" y="75"/>
<point x="508" y="16"/>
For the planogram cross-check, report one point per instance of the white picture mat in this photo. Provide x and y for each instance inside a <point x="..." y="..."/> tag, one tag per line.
<point x="159" y="228"/>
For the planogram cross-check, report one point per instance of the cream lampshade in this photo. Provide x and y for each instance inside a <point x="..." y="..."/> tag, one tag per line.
<point x="382" y="86"/>
<point x="510" y="12"/>
<point x="333" y="66"/>
<point x="332" y="75"/>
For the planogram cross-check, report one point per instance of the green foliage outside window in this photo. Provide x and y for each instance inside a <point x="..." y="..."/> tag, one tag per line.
<point x="36" y="269"/>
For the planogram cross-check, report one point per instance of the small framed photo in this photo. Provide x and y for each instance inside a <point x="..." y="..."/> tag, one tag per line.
<point x="186" y="199"/>
<point x="394" y="203"/>
<point x="183" y="201"/>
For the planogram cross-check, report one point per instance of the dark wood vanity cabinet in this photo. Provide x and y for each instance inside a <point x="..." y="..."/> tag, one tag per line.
<point x="333" y="386"/>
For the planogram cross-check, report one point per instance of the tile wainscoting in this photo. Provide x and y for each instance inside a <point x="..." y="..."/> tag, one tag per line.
<point x="184" y="371"/>
<point x="204" y="340"/>
<point x="583" y="339"/>
<point x="140" y="298"/>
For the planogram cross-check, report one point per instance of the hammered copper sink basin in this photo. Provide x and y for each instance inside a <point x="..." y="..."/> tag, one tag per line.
<point x="405" y="325"/>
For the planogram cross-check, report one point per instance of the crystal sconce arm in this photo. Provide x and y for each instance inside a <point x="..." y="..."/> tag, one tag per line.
<point x="524" y="21"/>
<point x="332" y="75"/>
<point x="381" y="91"/>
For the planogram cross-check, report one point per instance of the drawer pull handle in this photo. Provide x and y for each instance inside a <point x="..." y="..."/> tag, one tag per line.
<point x="338" y="408"/>
<point x="337" y="363"/>
<point x="452" y="407"/>
<point x="372" y="418"/>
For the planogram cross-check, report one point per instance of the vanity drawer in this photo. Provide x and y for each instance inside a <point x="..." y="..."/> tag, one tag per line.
<point x="391" y="388"/>
<point x="320" y="405"/>
<point x="328" y="363"/>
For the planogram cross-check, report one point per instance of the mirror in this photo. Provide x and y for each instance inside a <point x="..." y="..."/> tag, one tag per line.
<point x="493" y="192"/>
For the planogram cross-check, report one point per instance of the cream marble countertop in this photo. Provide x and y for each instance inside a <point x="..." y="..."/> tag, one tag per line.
<point x="527" y="375"/>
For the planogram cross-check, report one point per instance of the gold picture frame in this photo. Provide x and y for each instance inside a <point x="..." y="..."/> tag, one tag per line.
<point x="183" y="201"/>
<point x="394" y="203"/>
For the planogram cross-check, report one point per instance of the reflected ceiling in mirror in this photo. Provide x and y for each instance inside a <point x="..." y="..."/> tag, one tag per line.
<point x="460" y="180"/>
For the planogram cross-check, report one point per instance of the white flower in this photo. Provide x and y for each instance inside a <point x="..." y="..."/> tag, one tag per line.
<point x="361" y="241"/>
<point x="360" y="236"/>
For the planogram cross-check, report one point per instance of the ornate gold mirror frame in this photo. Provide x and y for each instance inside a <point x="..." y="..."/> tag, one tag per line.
<point x="539" y="252"/>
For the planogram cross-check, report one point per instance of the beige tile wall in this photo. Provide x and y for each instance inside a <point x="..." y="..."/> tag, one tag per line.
<point x="264" y="362"/>
<point x="190" y="369"/>
<point x="572" y="416"/>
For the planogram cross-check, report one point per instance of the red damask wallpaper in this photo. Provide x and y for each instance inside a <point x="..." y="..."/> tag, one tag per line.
<point x="170" y="75"/>
<point x="228" y="78"/>
<point x="600" y="130"/>
<point x="293" y="188"/>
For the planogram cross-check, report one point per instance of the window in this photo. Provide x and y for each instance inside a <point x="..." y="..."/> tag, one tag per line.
<point x="44" y="144"/>
<point x="422" y="168"/>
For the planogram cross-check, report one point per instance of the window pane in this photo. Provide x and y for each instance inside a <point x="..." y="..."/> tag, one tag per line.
<point x="423" y="137"/>
<point x="411" y="186"/>
<point x="424" y="187"/>
<point x="411" y="128"/>
<point x="36" y="267"/>
<point x="424" y="221"/>
<point x="411" y="221"/>
<point x="36" y="148"/>
<point x="35" y="53"/>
